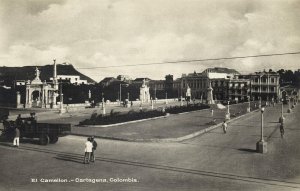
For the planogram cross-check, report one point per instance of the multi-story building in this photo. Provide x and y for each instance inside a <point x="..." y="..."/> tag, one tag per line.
<point x="220" y="88"/>
<point x="264" y="85"/>
<point x="197" y="82"/>
<point x="73" y="79"/>
<point x="239" y="88"/>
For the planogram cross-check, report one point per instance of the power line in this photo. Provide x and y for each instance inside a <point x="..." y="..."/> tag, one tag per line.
<point x="197" y="60"/>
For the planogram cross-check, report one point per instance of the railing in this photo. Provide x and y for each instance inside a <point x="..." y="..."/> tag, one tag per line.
<point x="264" y="83"/>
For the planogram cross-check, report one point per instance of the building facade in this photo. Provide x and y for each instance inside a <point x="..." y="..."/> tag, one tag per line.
<point x="264" y="85"/>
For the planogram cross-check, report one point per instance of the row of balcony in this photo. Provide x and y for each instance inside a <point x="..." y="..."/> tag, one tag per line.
<point x="265" y="83"/>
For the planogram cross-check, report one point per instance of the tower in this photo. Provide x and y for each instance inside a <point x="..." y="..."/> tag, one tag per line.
<point x="55" y="83"/>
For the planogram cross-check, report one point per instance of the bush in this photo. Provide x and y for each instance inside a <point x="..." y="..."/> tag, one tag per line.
<point x="117" y="117"/>
<point x="181" y="109"/>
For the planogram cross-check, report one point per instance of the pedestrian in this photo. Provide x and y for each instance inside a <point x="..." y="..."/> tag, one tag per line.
<point x="94" y="143"/>
<point x="212" y="112"/>
<point x="87" y="151"/>
<point x="17" y="137"/>
<point x="224" y="126"/>
<point x="281" y="127"/>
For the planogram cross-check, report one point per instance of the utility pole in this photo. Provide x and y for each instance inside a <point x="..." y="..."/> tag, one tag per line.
<point x="261" y="145"/>
<point x="61" y="110"/>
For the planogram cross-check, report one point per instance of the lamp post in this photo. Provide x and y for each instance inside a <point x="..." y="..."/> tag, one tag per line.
<point x="261" y="145"/>
<point x="61" y="109"/>
<point x="249" y="104"/>
<point x="201" y="98"/>
<point x="181" y="103"/>
<point x="227" y="115"/>
<point x="120" y="94"/>
<point x="166" y="98"/>
<point x="103" y="105"/>
<point x="289" y="109"/>
<point x="155" y="93"/>
<point x="152" y="107"/>
<point x="126" y="85"/>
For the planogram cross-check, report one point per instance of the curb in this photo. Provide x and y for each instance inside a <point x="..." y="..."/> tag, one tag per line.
<point x="166" y="140"/>
<point x="123" y="123"/>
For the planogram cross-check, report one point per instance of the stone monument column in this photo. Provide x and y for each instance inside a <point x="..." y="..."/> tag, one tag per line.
<point x="18" y="100"/>
<point x="210" y="98"/>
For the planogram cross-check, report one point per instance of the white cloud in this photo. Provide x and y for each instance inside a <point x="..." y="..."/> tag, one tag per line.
<point x="97" y="33"/>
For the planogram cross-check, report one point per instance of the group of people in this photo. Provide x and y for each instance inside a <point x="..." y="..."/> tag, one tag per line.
<point x="11" y="130"/>
<point x="89" y="151"/>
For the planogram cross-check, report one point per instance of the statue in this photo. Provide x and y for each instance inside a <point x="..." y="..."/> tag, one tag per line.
<point x="188" y="93"/>
<point x="37" y="74"/>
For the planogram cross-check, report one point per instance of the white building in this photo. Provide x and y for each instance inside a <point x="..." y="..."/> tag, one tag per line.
<point x="73" y="79"/>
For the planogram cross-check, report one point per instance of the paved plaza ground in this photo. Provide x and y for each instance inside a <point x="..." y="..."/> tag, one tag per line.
<point x="212" y="161"/>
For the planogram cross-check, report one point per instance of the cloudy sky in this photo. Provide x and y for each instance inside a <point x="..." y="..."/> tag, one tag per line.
<point x="103" y="33"/>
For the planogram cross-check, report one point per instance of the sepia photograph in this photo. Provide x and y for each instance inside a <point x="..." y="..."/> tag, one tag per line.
<point x="149" y="95"/>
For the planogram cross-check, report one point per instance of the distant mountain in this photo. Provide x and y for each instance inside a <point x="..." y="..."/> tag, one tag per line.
<point x="10" y="74"/>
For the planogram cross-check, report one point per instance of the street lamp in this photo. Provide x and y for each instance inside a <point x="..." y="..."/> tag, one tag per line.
<point x="61" y="109"/>
<point x="227" y="115"/>
<point x="103" y="105"/>
<point x="261" y="145"/>
<point x="166" y="98"/>
<point x="152" y="107"/>
<point x="289" y="109"/>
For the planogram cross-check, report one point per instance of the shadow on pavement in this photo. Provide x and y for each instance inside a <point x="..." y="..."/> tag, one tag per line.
<point x="72" y="157"/>
<point x="248" y="150"/>
<point x="68" y="158"/>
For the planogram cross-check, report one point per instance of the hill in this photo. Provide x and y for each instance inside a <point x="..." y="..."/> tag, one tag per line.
<point x="10" y="74"/>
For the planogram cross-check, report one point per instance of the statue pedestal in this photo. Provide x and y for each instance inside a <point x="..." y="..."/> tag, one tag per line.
<point x="227" y="116"/>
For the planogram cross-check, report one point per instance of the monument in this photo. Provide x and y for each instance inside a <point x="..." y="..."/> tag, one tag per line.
<point x="210" y="98"/>
<point x="144" y="93"/>
<point x="41" y="94"/>
<point x="188" y="94"/>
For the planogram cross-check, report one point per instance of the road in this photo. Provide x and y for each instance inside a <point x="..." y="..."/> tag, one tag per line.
<point x="212" y="161"/>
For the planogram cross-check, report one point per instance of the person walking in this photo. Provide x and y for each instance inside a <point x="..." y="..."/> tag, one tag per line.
<point x="87" y="151"/>
<point x="212" y="112"/>
<point x="94" y="143"/>
<point x="281" y="127"/>
<point x="17" y="137"/>
<point x="224" y="126"/>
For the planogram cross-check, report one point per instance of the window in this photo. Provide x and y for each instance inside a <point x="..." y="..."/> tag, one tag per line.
<point x="272" y="80"/>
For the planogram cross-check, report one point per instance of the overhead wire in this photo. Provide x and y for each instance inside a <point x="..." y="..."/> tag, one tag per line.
<point x="195" y="60"/>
